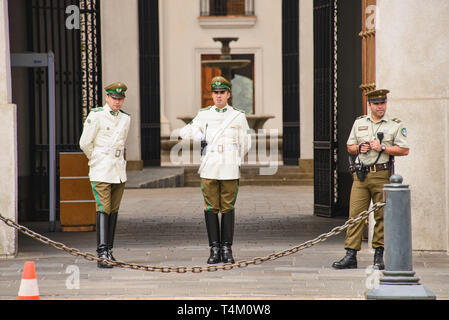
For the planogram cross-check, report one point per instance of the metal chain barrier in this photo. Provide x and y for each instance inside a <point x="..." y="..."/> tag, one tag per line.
<point x="197" y="269"/>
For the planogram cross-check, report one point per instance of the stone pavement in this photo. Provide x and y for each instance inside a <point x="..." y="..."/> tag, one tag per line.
<point x="165" y="227"/>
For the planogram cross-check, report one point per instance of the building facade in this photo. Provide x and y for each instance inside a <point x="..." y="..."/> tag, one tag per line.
<point x="156" y="48"/>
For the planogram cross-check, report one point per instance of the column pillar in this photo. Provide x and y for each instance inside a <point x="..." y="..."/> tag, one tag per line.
<point x="8" y="142"/>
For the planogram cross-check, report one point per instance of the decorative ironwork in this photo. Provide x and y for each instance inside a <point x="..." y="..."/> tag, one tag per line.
<point x="368" y="33"/>
<point x="91" y="92"/>
<point x="77" y="84"/>
<point x="226" y="7"/>
<point x="150" y="101"/>
<point x="325" y="107"/>
<point x="290" y="83"/>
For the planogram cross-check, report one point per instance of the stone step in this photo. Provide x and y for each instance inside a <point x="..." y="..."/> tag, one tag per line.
<point x="172" y="177"/>
<point x="255" y="170"/>
<point x="250" y="175"/>
<point x="155" y="177"/>
<point x="252" y="182"/>
<point x="274" y="177"/>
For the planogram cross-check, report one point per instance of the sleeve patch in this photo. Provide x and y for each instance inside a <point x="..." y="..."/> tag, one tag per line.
<point x="404" y="132"/>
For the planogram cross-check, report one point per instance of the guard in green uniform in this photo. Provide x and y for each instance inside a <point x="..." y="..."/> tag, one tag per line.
<point x="103" y="141"/>
<point x="375" y="139"/>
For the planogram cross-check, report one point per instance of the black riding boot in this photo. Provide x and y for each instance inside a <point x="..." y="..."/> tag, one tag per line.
<point x="213" y="234"/>
<point x="111" y="233"/>
<point x="102" y="238"/>
<point x="227" y="236"/>
<point x="379" y="258"/>
<point x="349" y="261"/>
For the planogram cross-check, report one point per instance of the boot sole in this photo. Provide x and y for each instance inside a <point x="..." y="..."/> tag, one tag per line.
<point x="378" y="268"/>
<point x="342" y="268"/>
<point x="228" y="260"/>
<point x="104" y="266"/>
<point x="213" y="261"/>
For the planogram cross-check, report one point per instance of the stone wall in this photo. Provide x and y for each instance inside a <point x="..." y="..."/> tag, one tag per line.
<point x="412" y="55"/>
<point x="8" y="142"/>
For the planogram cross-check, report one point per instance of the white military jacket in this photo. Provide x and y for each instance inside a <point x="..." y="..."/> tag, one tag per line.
<point x="103" y="142"/>
<point x="224" y="156"/>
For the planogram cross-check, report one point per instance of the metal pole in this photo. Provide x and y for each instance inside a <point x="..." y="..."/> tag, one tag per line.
<point x="399" y="281"/>
<point x="52" y="139"/>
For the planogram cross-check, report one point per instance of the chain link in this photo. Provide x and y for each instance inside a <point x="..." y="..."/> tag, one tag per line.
<point x="196" y="269"/>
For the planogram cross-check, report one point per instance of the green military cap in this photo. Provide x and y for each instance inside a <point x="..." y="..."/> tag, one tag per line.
<point x="377" y="96"/>
<point x="116" y="90"/>
<point x="220" y="83"/>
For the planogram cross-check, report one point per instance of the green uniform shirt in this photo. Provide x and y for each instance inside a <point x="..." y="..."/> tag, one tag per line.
<point x="365" y="129"/>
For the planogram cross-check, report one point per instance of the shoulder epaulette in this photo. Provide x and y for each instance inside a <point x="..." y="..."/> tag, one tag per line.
<point x="361" y="117"/>
<point x="242" y="111"/>
<point x="124" y="112"/>
<point x="206" y="108"/>
<point x="396" y="120"/>
<point x="97" y="109"/>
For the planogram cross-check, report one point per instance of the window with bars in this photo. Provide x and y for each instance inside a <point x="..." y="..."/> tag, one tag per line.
<point x="226" y="7"/>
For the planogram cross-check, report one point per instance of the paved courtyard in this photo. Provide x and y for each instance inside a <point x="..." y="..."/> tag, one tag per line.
<point x="165" y="227"/>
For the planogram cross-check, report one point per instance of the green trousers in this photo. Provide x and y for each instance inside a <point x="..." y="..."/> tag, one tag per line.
<point x="361" y="195"/>
<point x="219" y="195"/>
<point x="107" y="196"/>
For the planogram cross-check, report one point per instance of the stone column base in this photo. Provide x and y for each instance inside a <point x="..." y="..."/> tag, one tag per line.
<point x="8" y="182"/>
<point x="400" y="292"/>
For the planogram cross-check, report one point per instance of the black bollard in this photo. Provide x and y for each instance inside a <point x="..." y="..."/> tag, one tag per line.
<point x="399" y="281"/>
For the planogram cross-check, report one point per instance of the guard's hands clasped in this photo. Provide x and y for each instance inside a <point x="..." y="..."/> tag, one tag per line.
<point x="364" y="147"/>
<point x="375" y="145"/>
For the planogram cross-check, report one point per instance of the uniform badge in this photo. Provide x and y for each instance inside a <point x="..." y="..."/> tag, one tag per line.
<point x="363" y="128"/>
<point x="118" y="90"/>
<point x="404" y="132"/>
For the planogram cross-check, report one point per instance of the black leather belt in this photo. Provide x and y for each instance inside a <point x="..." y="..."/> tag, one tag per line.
<point x="373" y="168"/>
<point x="379" y="167"/>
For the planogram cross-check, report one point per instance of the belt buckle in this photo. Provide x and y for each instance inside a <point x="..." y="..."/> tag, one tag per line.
<point x="220" y="148"/>
<point x="374" y="168"/>
<point x="118" y="153"/>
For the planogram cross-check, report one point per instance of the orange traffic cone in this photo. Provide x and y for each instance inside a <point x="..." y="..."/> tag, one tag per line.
<point x="28" y="286"/>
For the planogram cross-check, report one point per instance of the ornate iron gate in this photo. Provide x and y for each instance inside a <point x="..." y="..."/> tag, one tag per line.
<point x="77" y="83"/>
<point x="325" y="107"/>
<point x="290" y="72"/>
<point x="150" y="126"/>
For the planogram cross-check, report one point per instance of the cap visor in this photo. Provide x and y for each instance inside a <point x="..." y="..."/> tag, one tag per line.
<point x="379" y="100"/>
<point x="220" y="89"/>
<point x="116" y="95"/>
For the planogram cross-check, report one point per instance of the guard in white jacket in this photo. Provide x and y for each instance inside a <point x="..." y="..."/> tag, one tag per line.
<point x="225" y="138"/>
<point x="103" y="141"/>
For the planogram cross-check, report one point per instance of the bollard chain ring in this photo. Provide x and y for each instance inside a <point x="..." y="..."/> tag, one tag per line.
<point x="196" y="269"/>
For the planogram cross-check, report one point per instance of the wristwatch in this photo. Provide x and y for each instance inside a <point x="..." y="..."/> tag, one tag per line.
<point x="383" y="147"/>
